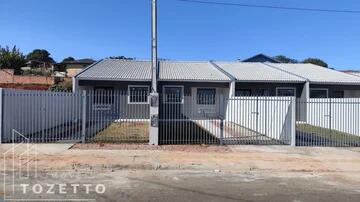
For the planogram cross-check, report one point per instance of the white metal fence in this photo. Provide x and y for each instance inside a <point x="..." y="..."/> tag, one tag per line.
<point x="119" y="117"/>
<point x="92" y="116"/>
<point x="260" y="120"/>
<point x="329" y="122"/>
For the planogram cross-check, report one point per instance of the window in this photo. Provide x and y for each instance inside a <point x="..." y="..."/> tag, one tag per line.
<point x="138" y="94"/>
<point x="243" y="92"/>
<point x="206" y="96"/>
<point x="318" y="93"/>
<point x="285" y="92"/>
<point x="103" y="95"/>
<point x="339" y="94"/>
<point x="173" y="94"/>
<point x="261" y="92"/>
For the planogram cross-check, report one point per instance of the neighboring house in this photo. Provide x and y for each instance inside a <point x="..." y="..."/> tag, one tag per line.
<point x="33" y="64"/>
<point x="261" y="58"/>
<point x="74" y="67"/>
<point x="353" y="72"/>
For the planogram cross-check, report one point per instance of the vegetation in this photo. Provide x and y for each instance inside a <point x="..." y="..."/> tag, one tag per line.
<point x="284" y="59"/>
<point x="12" y="59"/>
<point x="62" y="86"/>
<point x="37" y="72"/>
<point x="331" y="135"/>
<point x="135" y="132"/>
<point x="316" y="61"/>
<point x="120" y="58"/>
<point x="40" y="55"/>
<point x="68" y="59"/>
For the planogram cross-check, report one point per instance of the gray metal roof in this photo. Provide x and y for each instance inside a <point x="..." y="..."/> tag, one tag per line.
<point x="113" y="69"/>
<point x="190" y="71"/>
<point x="257" y="72"/>
<point x="317" y="74"/>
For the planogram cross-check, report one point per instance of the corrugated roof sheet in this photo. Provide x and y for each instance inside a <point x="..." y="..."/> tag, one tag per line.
<point x="190" y="71"/>
<point x="317" y="74"/>
<point x="112" y="69"/>
<point x="257" y="72"/>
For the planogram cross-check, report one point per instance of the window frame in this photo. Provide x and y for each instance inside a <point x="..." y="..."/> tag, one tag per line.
<point x="326" y="89"/>
<point x="197" y="95"/>
<point x="281" y="88"/>
<point x="129" y="94"/>
<point x="173" y="86"/>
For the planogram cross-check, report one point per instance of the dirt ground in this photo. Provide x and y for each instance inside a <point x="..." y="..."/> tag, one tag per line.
<point x="196" y="173"/>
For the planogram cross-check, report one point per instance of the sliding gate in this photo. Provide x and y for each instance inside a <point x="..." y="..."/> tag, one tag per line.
<point x="220" y="120"/>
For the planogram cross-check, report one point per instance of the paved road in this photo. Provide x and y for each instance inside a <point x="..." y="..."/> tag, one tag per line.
<point x="164" y="185"/>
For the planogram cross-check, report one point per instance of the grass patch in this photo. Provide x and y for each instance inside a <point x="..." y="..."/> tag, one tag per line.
<point x="124" y="132"/>
<point x="333" y="135"/>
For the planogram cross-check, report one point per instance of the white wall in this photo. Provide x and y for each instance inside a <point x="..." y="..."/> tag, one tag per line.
<point x="31" y="111"/>
<point x="270" y="116"/>
<point x="342" y="114"/>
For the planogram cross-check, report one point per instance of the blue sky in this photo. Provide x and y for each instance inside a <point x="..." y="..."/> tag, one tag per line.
<point x="102" y="28"/>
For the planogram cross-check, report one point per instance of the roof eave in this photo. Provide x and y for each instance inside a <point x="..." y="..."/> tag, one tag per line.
<point x="195" y="80"/>
<point x="111" y="79"/>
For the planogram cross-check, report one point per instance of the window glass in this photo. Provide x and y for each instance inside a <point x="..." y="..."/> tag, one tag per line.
<point x="285" y="92"/>
<point x="261" y="92"/>
<point x="103" y="95"/>
<point x="318" y="93"/>
<point x="243" y="92"/>
<point x="206" y="96"/>
<point x="138" y="94"/>
<point x="339" y="94"/>
<point x="173" y="94"/>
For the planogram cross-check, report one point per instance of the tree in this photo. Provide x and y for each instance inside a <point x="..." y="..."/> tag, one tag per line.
<point x="316" y="61"/>
<point x="40" y="55"/>
<point x="284" y="59"/>
<point x="12" y="59"/>
<point x="120" y="58"/>
<point x="68" y="59"/>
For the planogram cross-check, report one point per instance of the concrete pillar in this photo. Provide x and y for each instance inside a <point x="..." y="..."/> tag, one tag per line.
<point x="154" y="119"/>
<point x="75" y="84"/>
<point x="302" y="105"/>
<point x="232" y="88"/>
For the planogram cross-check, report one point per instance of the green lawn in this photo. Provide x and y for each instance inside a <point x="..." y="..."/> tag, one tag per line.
<point x="334" y="135"/>
<point x="124" y="132"/>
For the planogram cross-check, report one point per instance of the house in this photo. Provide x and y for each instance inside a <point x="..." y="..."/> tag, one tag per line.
<point x="236" y="78"/>
<point x="33" y="64"/>
<point x="261" y="58"/>
<point x="206" y="84"/>
<point x="353" y="72"/>
<point x="176" y="80"/>
<point x="75" y="66"/>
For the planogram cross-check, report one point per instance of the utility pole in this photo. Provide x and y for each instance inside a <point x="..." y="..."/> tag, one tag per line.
<point x="154" y="96"/>
<point x="154" y="59"/>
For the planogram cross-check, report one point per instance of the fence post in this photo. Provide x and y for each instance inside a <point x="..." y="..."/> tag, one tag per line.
<point x="221" y="130"/>
<point x="1" y="113"/>
<point x="293" y="121"/>
<point x="83" y="130"/>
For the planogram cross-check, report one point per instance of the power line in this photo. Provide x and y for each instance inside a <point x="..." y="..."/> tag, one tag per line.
<point x="270" y="7"/>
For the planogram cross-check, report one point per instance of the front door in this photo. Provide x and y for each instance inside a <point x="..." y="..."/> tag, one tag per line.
<point x="207" y="102"/>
